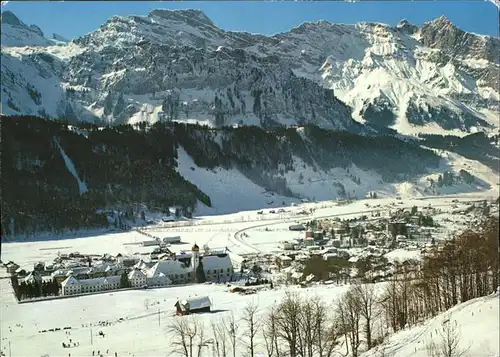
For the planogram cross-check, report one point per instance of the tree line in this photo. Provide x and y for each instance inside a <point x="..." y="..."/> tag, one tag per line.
<point x="29" y="290"/>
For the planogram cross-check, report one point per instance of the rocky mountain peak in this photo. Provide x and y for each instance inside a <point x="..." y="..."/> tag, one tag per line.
<point x="37" y="30"/>
<point x="442" y="34"/>
<point x="9" y="18"/>
<point x="178" y="65"/>
<point x="16" y="33"/>
<point x="183" y="15"/>
<point x="405" y="26"/>
<point x="442" y="20"/>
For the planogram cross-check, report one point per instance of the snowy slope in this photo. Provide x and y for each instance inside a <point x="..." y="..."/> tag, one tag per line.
<point x="477" y="324"/>
<point x="82" y="186"/>
<point x="229" y="190"/>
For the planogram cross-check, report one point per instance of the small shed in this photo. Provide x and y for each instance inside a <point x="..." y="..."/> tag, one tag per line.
<point x="297" y="227"/>
<point x="193" y="305"/>
<point x="172" y="240"/>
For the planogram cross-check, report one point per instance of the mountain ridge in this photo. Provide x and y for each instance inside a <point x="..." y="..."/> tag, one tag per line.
<point x="390" y="76"/>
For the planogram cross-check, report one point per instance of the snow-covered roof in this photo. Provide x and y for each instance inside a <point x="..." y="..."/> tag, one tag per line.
<point x="211" y="262"/>
<point x="136" y="274"/>
<point x="195" y="303"/>
<point x="33" y="276"/>
<point x="167" y="267"/>
<point x="100" y="281"/>
<point x="235" y="257"/>
<point x="58" y="273"/>
<point x="70" y="281"/>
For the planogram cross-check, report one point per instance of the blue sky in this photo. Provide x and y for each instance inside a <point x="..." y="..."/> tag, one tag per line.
<point x="72" y="19"/>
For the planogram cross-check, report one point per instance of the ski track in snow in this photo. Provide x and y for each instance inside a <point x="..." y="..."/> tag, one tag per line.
<point x="82" y="186"/>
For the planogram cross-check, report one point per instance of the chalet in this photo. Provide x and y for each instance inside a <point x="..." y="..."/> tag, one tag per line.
<point x="317" y="235"/>
<point x="397" y="228"/>
<point x="193" y="305"/>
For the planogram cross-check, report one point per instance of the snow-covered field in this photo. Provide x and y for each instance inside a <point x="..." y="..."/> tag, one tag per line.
<point x="143" y="331"/>
<point x="219" y="231"/>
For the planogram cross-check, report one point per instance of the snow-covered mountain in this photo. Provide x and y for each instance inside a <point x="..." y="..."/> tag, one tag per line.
<point x="178" y="65"/>
<point x="17" y="33"/>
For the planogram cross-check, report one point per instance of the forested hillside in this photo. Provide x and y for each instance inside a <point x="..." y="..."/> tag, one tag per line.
<point x="119" y="166"/>
<point x="476" y="146"/>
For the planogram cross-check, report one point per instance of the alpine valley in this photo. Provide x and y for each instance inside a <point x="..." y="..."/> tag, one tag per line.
<point x="168" y="110"/>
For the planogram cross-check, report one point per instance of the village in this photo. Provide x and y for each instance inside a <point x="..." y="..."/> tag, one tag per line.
<point x="145" y="276"/>
<point x="322" y="251"/>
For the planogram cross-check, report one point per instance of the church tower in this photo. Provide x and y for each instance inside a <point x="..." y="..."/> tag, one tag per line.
<point x="195" y="260"/>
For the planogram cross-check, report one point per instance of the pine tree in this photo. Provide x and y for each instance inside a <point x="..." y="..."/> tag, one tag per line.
<point x="124" y="281"/>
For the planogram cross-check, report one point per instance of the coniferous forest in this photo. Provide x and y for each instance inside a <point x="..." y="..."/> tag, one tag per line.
<point x="125" y="165"/>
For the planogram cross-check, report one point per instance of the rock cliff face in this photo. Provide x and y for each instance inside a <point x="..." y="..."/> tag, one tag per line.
<point x="178" y="65"/>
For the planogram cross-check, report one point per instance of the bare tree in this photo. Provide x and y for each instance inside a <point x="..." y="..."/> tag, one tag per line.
<point x="327" y="331"/>
<point x="447" y="344"/>
<point x="220" y="337"/>
<point x="198" y="331"/>
<point x="270" y="334"/>
<point x="367" y="298"/>
<point x="287" y="322"/>
<point x="349" y="317"/>
<point x="232" y="331"/>
<point x="301" y="327"/>
<point x="252" y="325"/>
<point x="187" y="336"/>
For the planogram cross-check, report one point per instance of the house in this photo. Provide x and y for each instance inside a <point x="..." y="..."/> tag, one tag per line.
<point x="217" y="267"/>
<point x="100" y="284"/>
<point x="72" y="286"/>
<point x="11" y="267"/>
<point x="33" y="278"/>
<point x="59" y="275"/>
<point x="39" y="266"/>
<point x="193" y="305"/>
<point x="166" y="272"/>
<point x="137" y="278"/>
<point x="285" y="245"/>
<point x="20" y="272"/>
<point x="283" y="261"/>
